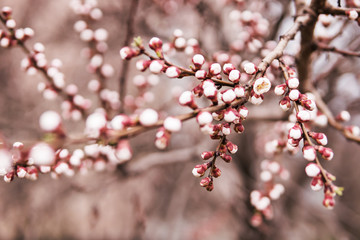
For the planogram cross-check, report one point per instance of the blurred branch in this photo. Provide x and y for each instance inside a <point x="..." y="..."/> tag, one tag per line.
<point x="328" y="9"/>
<point x="331" y="119"/>
<point x="125" y="64"/>
<point x="325" y="47"/>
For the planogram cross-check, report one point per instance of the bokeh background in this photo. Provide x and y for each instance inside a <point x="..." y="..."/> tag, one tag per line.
<point x="155" y="196"/>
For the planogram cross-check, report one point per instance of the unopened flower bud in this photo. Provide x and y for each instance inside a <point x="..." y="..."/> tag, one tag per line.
<point x="228" y="96"/>
<point x="198" y="60"/>
<point x="215" y="69"/>
<point x="172" y="124"/>
<point x="303" y="116"/>
<point x="156" y="66"/>
<point x="207" y="155"/>
<point x="292" y="82"/>
<point x="227" y="68"/>
<point x="294" y="94"/>
<point x="227" y="158"/>
<point x="199" y="170"/>
<point x="326" y="153"/>
<point x="280" y="89"/>
<point x="205" y="182"/>
<point x="200" y="74"/>
<point x="312" y="170"/>
<point x="343" y="116"/>
<point x="250" y="68"/>
<point x="320" y="138"/>
<point x="234" y="76"/>
<point x="309" y="153"/>
<point x="239" y="128"/>
<point x="239" y="91"/>
<point x="204" y="118"/>
<point x="295" y="132"/>
<point x="187" y="99"/>
<point x="231" y="147"/>
<point x="148" y="117"/>
<point x="216" y="172"/>
<point x="172" y="72"/>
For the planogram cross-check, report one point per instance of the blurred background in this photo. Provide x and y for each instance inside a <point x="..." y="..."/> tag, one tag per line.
<point x="155" y="196"/>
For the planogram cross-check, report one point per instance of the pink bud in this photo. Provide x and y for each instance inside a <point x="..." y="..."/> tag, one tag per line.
<point x="199" y="170"/>
<point x="205" y="182"/>
<point x="216" y="172"/>
<point x="316" y="183"/>
<point x="198" y="91"/>
<point x="127" y="53"/>
<point x="231" y="147"/>
<point x="320" y="138"/>
<point x="239" y="128"/>
<point x="329" y="202"/>
<point x="207" y="155"/>
<point x="227" y="158"/>
<point x="326" y="153"/>
<point x="155" y="43"/>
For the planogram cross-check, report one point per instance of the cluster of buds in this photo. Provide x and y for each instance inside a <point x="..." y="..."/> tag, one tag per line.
<point x="261" y="200"/>
<point x="313" y="142"/>
<point x="13" y="36"/>
<point x="255" y="27"/>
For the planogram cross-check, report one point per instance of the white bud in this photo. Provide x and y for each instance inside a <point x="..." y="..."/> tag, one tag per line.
<point x="204" y="118"/>
<point x="49" y="121"/>
<point x="42" y="154"/>
<point x="148" y="117"/>
<point x="172" y="124"/>
<point x="312" y="170"/>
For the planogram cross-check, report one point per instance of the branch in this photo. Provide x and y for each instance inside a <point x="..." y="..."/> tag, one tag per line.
<point x="331" y="119"/>
<point x="125" y="64"/>
<point x="325" y="47"/>
<point x="342" y="11"/>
